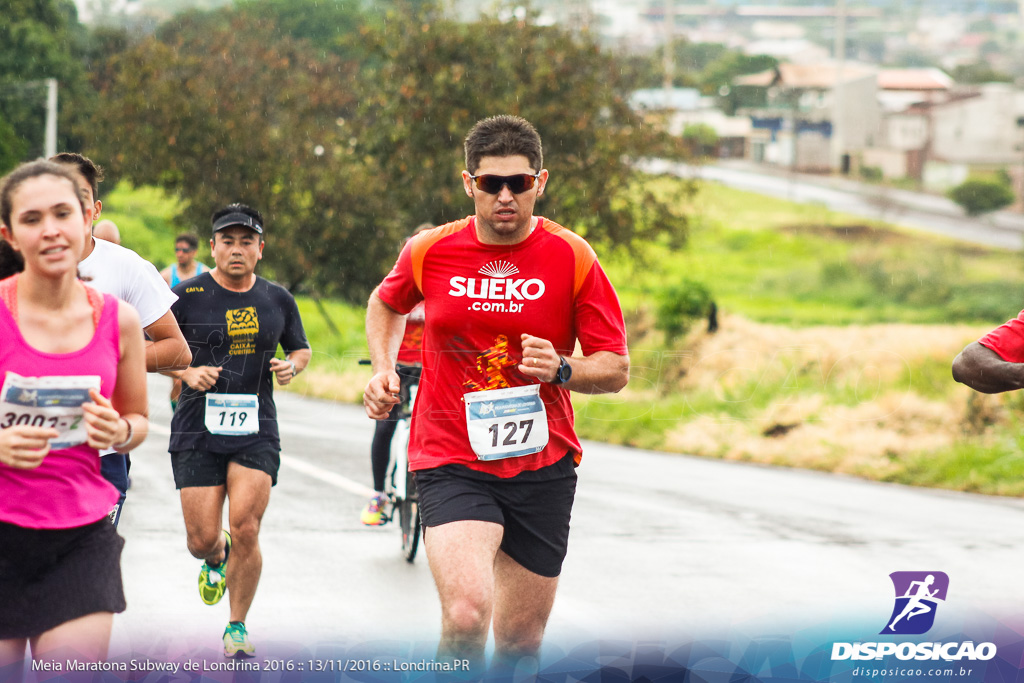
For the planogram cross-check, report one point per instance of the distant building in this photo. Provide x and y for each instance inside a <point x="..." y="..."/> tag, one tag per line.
<point x="938" y="142"/>
<point x="680" y="108"/>
<point x="798" y="124"/>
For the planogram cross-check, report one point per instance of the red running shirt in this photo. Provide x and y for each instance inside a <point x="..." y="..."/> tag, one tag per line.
<point x="1007" y="340"/>
<point x="479" y="298"/>
<point x="412" y="341"/>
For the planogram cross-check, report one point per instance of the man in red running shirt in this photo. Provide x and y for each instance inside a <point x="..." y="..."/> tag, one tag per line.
<point x="507" y="295"/>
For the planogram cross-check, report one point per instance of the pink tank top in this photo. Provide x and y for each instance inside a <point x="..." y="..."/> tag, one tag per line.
<point x="67" y="489"/>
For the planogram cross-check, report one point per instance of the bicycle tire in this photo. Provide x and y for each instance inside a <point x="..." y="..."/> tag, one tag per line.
<point x="409" y="519"/>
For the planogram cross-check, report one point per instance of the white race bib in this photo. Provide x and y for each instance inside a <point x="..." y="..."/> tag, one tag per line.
<point x="233" y="414"/>
<point x="54" y="402"/>
<point x="506" y="423"/>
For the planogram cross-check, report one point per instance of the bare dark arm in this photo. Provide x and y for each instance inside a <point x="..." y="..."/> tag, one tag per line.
<point x="981" y="368"/>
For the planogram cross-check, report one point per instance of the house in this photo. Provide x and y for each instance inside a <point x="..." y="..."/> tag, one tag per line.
<point x="681" y="108"/>
<point x="803" y="121"/>
<point x="905" y="96"/>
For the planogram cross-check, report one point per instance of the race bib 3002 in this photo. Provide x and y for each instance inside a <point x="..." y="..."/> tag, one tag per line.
<point x="54" y="402"/>
<point x="506" y="423"/>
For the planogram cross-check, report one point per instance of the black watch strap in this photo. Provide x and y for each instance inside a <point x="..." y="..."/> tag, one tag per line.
<point x="564" y="372"/>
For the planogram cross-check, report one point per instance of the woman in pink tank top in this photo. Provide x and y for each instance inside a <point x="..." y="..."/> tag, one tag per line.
<point x="73" y="380"/>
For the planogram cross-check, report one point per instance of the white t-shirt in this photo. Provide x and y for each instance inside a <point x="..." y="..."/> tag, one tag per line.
<point x="116" y="270"/>
<point x="113" y="269"/>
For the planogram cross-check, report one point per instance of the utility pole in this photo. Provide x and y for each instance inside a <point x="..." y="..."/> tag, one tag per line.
<point x="50" y="137"/>
<point x="838" y="114"/>
<point x="670" y="34"/>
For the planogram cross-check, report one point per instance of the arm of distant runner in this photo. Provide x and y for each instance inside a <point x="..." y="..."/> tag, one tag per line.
<point x="384" y="329"/>
<point x="981" y="368"/>
<point x="168" y="350"/>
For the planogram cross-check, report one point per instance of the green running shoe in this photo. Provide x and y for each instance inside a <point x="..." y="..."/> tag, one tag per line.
<point x="213" y="581"/>
<point x="236" y="641"/>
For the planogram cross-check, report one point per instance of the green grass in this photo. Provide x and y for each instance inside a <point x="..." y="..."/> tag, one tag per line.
<point x="992" y="466"/>
<point x="775" y="261"/>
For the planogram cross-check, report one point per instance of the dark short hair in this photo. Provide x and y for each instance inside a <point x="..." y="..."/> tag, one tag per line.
<point x="503" y="136"/>
<point x="191" y="240"/>
<point x="34" y="169"/>
<point x="90" y="170"/>
<point x="244" y="209"/>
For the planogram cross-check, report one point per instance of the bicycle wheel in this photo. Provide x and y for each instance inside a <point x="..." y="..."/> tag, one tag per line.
<point x="409" y="519"/>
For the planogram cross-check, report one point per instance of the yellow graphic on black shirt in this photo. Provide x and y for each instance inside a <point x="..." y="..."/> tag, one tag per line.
<point x="491" y="364"/>
<point x="243" y="325"/>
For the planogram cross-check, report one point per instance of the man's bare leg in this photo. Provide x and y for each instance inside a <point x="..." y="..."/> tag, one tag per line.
<point x="522" y="605"/>
<point x="248" y="496"/>
<point x="203" y="510"/>
<point x="462" y="556"/>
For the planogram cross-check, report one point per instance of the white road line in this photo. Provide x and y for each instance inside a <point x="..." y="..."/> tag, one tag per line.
<point x="326" y="476"/>
<point x="309" y="469"/>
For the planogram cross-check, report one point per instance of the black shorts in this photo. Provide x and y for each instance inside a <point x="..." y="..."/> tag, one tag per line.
<point x="208" y="468"/>
<point x="51" y="576"/>
<point x="534" y="507"/>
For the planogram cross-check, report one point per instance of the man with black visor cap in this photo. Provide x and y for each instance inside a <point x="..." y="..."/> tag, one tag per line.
<point x="224" y="437"/>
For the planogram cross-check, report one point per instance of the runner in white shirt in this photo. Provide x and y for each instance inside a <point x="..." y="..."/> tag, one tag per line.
<point x="115" y="270"/>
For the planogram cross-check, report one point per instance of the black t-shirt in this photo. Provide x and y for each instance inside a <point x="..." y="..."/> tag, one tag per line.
<point x="238" y="332"/>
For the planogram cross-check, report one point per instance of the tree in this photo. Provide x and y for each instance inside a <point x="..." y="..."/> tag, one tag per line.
<point x="12" y="147"/>
<point x="981" y="196"/>
<point x="345" y="156"/>
<point x="41" y="39"/>
<point x="228" y="110"/>
<point x="978" y="72"/>
<point x="431" y="79"/>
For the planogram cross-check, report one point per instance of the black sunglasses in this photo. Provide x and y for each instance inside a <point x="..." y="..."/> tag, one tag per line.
<point x="492" y="184"/>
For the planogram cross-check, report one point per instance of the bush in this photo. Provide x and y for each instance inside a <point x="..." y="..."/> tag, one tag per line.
<point x="871" y="173"/>
<point x="981" y="196"/>
<point x="680" y="306"/>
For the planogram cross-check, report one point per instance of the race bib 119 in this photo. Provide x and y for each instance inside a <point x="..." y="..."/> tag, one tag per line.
<point x="233" y="414"/>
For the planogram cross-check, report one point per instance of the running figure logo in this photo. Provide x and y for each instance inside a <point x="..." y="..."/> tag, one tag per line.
<point x="917" y="597"/>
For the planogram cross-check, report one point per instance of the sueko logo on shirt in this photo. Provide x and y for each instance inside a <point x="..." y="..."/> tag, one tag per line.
<point x="499" y="291"/>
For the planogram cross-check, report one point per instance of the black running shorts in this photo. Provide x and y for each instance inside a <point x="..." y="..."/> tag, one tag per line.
<point x="534" y="507"/>
<point x="207" y="468"/>
<point x="51" y="576"/>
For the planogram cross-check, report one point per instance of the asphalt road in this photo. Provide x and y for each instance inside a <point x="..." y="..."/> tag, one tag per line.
<point x="662" y="545"/>
<point x="931" y="213"/>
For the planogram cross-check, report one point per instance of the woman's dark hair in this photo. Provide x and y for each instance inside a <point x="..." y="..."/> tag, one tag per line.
<point x="33" y="169"/>
<point x="11" y="262"/>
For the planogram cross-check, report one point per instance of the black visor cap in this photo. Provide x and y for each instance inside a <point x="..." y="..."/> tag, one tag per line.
<point x="242" y="219"/>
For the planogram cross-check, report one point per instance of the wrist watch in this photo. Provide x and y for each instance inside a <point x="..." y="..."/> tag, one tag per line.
<point x="564" y="372"/>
